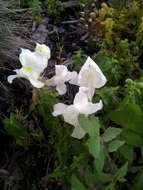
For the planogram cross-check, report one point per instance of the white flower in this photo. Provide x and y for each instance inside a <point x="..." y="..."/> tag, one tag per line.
<point x="33" y="64"/>
<point x="62" y="75"/>
<point x="43" y="49"/>
<point x="80" y="106"/>
<point x="90" y="76"/>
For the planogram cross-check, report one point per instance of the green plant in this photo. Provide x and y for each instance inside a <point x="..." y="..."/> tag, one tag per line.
<point x="54" y="7"/>
<point x="36" y="10"/>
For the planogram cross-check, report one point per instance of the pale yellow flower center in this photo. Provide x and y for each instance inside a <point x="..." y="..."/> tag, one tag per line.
<point x="26" y="68"/>
<point x="41" y="49"/>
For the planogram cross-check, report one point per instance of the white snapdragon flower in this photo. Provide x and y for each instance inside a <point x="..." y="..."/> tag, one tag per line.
<point x="90" y="76"/>
<point x="33" y="64"/>
<point x="43" y="50"/>
<point x="71" y="113"/>
<point x="62" y="75"/>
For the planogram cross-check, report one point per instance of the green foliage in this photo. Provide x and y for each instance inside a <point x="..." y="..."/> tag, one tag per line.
<point x="16" y="129"/>
<point x="110" y="66"/>
<point x="76" y="184"/>
<point x="54" y="7"/>
<point x="129" y="117"/>
<point x="138" y="182"/>
<point x="120" y="52"/>
<point x="121" y="173"/>
<point x="111" y="133"/>
<point x="36" y="9"/>
<point x="114" y="145"/>
<point x="92" y="128"/>
<point x="78" y="57"/>
<point x="127" y="152"/>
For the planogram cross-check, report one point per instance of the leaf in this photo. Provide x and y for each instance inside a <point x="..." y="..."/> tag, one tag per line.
<point x="111" y="186"/>
<point x="94" y="147"/>
<point x="127" y="152"/>
<point x="114" y="145"/>
<point x="15" y="128"/>
<point x="130" y="118"/>
<point x="76" y="184"/>
<point x="32" y="107"/>
<point x="103" y="177"/>
<point x="90" y="126"/>
<point x="99" y="163"/>
<point x="90" y="178"/>
<point x="111" y="133"/>
<point x="133" y="139"/>
<point x="138" y="182"/>
<point x="121" y="173"/>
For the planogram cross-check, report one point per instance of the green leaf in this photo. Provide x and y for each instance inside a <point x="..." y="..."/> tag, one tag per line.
<point x="76" y="184"/>
<point x="111" y="133"/>
<point x="114" y="145"/>
<point x="32" y="107"/>
<point x="94" y="147"/>
<point x="90" y="126"/>
<point x="127" y="152"/>
<point x="103" y="177"/>
<point x="138" y="182"/>
<point x="15" y="128"/>
<point x="90" y="178"/>
<point x="111" y="186"/>
<point x="130" y="117"/>
<point x="133" y="139"/>
<point x="121" y="173"/>
<point x="99" y="163"/>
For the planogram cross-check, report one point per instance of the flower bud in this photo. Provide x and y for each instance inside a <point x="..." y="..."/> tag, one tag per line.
<point x="93" y="4"/>
<point x="86" y="26"/>
<point x="82" y="13"/>
<point x="82" y="19"/>
<point x="104" y="5"/>
<point x="92" y="14"/>
<point x="129" y="81"/>
<point x="82" y="5"/>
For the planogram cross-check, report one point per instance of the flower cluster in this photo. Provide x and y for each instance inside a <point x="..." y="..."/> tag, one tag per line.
<point x="88" y="79"/>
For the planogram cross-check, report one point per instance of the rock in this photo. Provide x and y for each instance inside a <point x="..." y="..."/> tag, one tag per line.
<point x="40" y="34"/>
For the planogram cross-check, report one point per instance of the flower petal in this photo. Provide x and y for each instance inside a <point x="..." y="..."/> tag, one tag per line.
<point x="78" y="133"/>
<point x="20" y="73"/>
<point x="81" y="97"/>
<point x="43" y="49"/>
<point x="36" y="83"/>
<point x="82" y="104"/>
<point x="50" y="82"/>
<point x="61" y="88"/>
<point x="71" y="115"/>
<point x="22" y="55"/>
<point x="91" y="108"/>
<point x="73" y="77"/>
<point x="61" y="73"/>
<point x="91" y="75"/>
<point x="11" y="78"/>
<point x="33" y="61"/>
<point x="59" y="109"/>
<point x="91" y="92"/>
